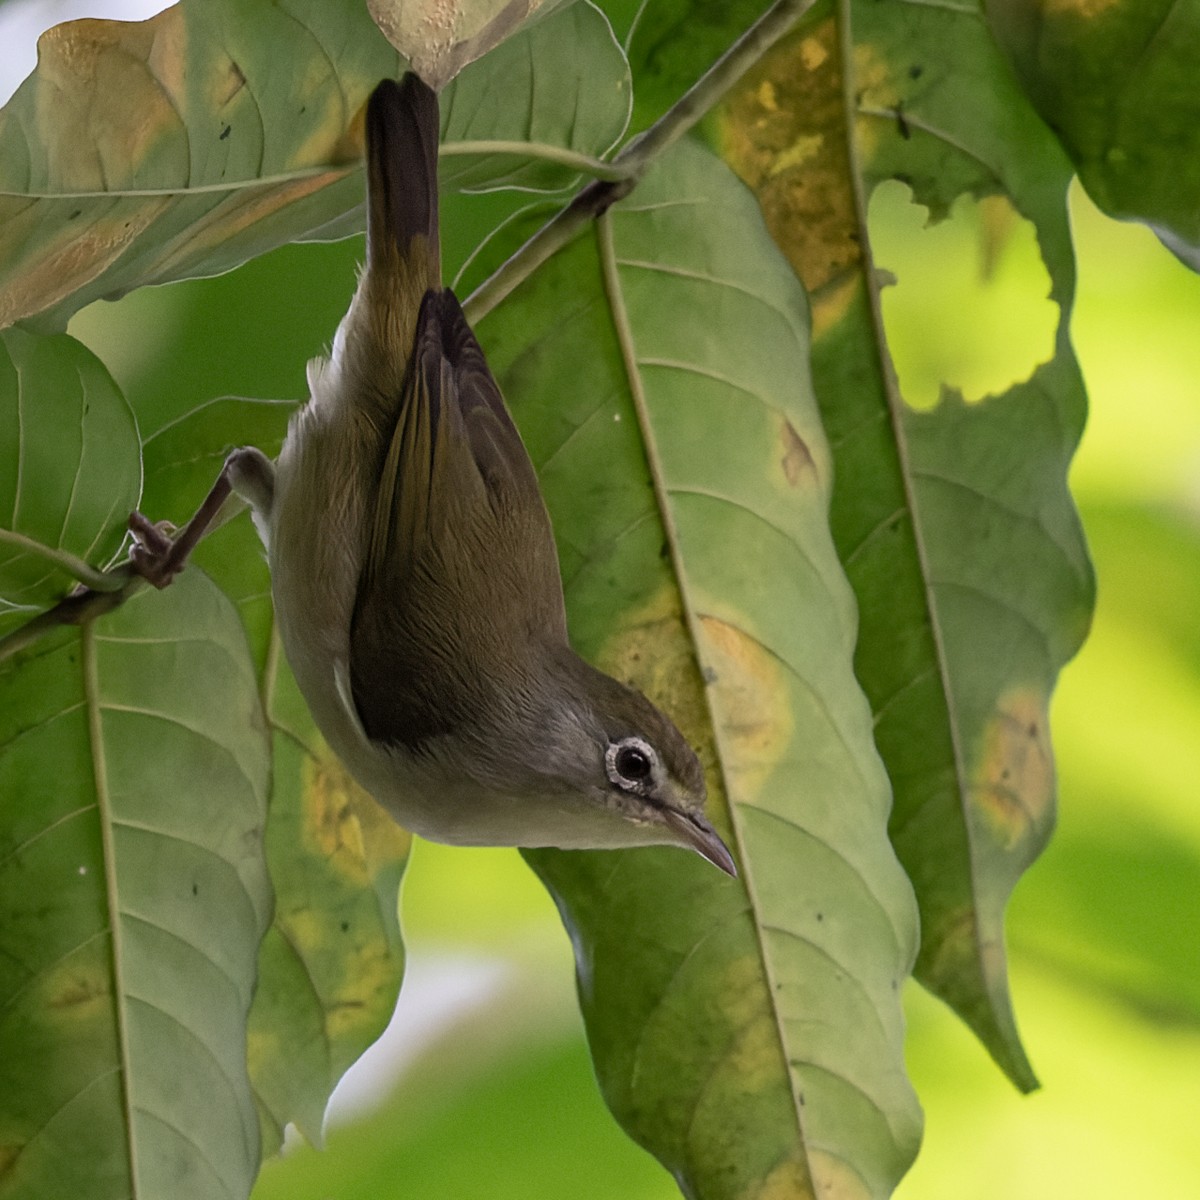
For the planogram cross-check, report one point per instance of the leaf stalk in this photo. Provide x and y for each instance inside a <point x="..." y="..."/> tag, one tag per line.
<point x="633" y="160"/>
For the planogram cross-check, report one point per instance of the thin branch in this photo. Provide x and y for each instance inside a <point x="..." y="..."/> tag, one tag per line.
<point x="89" y="576"/>
<point x="632" y="162"/>
<point x="709" y="89"/>
<point x="77" y="609"/>
<point x="584" y="163"/>
<point x="595" y="198"/>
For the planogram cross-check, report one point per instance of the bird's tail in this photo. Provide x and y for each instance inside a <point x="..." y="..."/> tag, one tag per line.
<point x="402" y="130"/>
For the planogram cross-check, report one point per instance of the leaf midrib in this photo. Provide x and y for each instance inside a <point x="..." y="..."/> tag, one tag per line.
<point x="91" y="690"/>
<point x="472" y="148"/>
<point x="620" y="316"/>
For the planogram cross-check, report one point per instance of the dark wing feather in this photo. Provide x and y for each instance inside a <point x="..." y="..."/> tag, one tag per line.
<point x="461" y="571"/>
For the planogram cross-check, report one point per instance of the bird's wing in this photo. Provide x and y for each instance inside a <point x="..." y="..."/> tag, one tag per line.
<point x="460" y="563"/>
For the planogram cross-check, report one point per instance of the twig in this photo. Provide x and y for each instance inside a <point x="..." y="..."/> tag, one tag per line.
<point x="85" y="605"/>
<point x="596" y="167"/>
<point x="633" y="160"/>
<point x="89" y="576"/>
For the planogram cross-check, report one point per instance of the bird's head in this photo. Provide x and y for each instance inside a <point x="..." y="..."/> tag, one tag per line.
<point x="627" y="759"/>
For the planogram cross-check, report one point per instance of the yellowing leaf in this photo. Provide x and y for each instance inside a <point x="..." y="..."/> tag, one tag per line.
<point x="748" y="1033"/>
<point x="954" y="523"/>
<point x="141" y="153"/>
<point x="439" y="37"/>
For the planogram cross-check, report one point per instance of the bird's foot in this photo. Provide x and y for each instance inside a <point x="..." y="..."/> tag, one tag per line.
<point x="153" y="555"/>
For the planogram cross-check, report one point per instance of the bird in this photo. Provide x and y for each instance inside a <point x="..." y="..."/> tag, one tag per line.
<point x="414" y="571"/>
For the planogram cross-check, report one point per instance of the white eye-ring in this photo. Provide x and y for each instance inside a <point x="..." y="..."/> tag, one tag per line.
<point x="630" y="764"/>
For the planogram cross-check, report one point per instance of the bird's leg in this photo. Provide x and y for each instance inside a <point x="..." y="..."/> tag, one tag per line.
<point x="159" y="557"/>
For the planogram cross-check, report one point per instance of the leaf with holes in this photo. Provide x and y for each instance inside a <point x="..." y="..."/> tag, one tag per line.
<point x="955" y="524"/>
<point x="134" y="893"/>
<point x="747" y="1032"/>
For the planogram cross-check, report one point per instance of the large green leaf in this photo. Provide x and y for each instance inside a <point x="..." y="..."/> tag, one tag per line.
<point x="1117" y="84"/>
<point x="955" y="524"/>
<point x="71" y="470"/>
<point x="145" y="152"/>
<point x="134" y="894"/>
<point x="333" y="960"/>
<point x="331" y="964"/>
<point x="747" y="1032"/>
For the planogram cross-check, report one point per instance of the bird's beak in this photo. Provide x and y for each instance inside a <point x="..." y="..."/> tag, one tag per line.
<point x="696" y="832"/>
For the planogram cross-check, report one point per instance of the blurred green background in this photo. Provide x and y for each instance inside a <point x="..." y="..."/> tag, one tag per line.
<point x="484" y="1087"/>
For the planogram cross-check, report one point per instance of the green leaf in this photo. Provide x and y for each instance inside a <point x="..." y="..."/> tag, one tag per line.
<point x="547" y="107"/>
<point x="955" y="524"/>
<point x="166" y="149"/>
<point x="332" y="961"/>
<point x="671" y="43"/>
<point x="134" y="891"/>
<point x="1116" y="83"/>
<point x="71" y="471"/>
<point x="747" y="1032"/>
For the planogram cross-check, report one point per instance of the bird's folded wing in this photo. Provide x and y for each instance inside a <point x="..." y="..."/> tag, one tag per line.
<point x="460" y="554"/>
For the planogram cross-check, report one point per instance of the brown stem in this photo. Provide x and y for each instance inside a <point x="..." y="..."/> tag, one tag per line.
<point x="634" y="159"/>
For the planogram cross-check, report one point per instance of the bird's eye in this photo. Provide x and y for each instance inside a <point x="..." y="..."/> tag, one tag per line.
<point x="633" y="763"/>
<point x="630" y="763"/>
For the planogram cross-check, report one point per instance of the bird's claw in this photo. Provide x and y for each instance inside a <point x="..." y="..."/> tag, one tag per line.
<point x="151" y="554"/>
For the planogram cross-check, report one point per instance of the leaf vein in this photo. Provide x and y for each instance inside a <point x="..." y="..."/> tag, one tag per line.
<point x="172" y="836"/>
<point x="221" y="970"/>
<point x="841" y="967"/>
<point x="169" y="719"/>
<point x="842" y="857"/>
<point x="1030" y="624"/>
<point x="45" y="831"/>
<point x="46" y="968"/>
<point x="880" y="527"/>
<point x="670" y="985"/>
<point x="232" y="1192"/>
<point x="991" y="501"/>
<point x="42" y="724"/>
<point x="716" y="376"/>
<point x="704" y="277"/>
